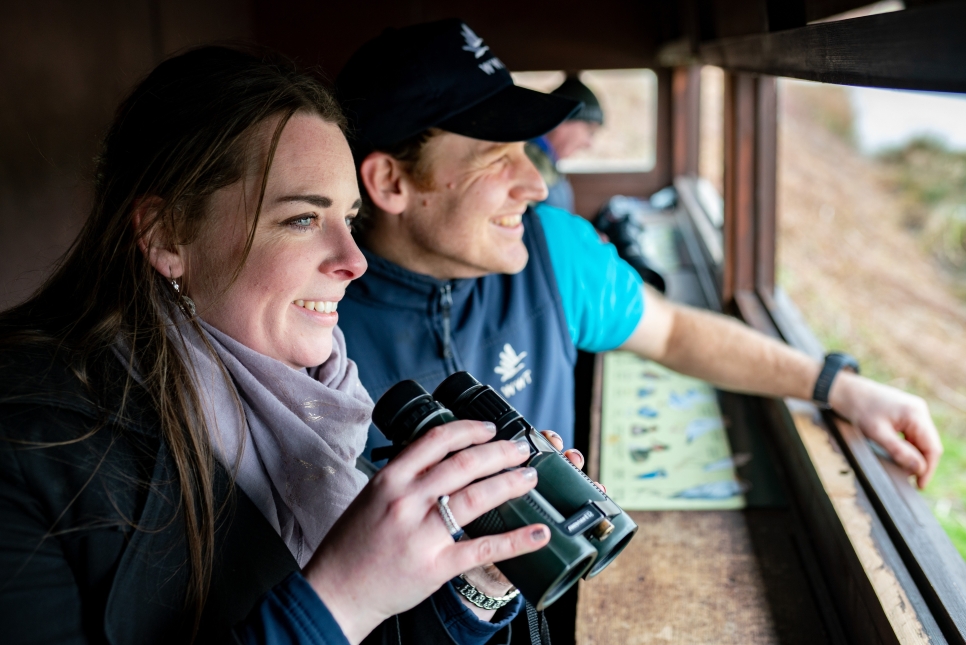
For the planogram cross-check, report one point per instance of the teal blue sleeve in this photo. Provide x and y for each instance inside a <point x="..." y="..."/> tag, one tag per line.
<point x="603" y="297"/>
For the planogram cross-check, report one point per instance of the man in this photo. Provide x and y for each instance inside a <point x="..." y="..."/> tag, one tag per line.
<point x="464" y="274"/>
<point x="568" y="138"/>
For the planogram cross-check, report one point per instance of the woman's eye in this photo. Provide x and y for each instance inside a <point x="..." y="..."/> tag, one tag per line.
<point x="348" y="221"/>
<point x="302" y="223"/>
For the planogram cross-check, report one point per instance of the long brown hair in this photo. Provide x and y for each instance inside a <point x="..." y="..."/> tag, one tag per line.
<point x="184" y="132"/>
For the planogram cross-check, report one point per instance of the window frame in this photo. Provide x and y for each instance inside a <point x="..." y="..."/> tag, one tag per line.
<point x="741" y="262"/>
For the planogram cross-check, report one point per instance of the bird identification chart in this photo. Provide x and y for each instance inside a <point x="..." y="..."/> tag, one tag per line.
<point x="663" y="440"/>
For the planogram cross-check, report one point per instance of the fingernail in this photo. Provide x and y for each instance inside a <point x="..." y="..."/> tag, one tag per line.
<point x="537" y="535"/>
<point x="523" y="447"/>
<point x="553" y="434"/>
<point x="529" y="474"/>
<point x="491" y="427"/>
<point x="579" y="454"/>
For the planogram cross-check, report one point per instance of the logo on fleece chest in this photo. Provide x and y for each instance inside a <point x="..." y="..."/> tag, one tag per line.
<point x="513" y="371"/>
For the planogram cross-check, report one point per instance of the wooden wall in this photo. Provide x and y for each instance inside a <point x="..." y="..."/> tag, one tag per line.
<point x="64" y="66"/>
<point x="530" y="35"/>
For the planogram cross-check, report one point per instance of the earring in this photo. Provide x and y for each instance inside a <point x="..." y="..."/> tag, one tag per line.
<point x="186" y="302"/>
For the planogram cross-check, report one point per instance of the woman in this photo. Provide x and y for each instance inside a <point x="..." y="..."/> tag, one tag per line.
<point x="180" y="424"/>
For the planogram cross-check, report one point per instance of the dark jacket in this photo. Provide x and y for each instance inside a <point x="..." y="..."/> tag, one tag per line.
<point x="92" y="546"/>
<point x="509" y="331"/>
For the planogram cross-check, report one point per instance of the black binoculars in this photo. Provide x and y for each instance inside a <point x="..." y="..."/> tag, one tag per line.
<point x="587" y="529"/>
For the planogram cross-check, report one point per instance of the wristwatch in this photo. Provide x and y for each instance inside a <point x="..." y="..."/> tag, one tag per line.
<point x="479" y="598"/>
<point x="834" y="362"/>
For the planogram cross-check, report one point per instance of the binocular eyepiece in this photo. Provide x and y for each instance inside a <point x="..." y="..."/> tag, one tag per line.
<point x="587" y="528"/>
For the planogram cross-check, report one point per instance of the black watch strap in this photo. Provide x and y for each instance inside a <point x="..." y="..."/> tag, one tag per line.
<point x="834" y="362"/>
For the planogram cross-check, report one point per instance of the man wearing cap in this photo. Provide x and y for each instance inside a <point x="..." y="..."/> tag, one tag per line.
<point x="573" y="135"/>
<point x="464" y="274"/>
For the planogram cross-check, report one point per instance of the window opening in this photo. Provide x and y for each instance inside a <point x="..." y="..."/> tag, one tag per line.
<point x="872" y="246"/>
<point x="626" y="141"/>
<point x="710" y="186"/>
<point x="885" y="6"/>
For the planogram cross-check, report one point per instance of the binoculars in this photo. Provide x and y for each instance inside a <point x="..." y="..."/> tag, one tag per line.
<point x="587" y="529"/>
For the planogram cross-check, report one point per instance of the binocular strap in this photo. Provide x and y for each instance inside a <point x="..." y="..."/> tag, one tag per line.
<point x="539" y="630"/>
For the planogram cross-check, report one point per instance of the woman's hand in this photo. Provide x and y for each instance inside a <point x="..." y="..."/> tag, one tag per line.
<point x="390" y="550"/>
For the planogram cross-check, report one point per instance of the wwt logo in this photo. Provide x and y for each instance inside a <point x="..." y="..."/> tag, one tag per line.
<point x="511" y="364"/>
<point x="474" y="45"/>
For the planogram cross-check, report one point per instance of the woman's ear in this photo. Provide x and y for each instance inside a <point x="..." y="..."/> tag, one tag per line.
<point x="382" y="178"/>
<point x="154" y="240"/>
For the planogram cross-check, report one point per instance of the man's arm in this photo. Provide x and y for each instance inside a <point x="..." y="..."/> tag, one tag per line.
<point x="732" y="356"/>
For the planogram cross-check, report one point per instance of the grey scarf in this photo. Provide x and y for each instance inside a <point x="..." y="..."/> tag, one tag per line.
<point x="294" y="451"/>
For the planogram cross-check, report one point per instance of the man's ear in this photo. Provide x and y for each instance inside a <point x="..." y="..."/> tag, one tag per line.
<point x="154" y="240"/>
<point x="383" y="178"/>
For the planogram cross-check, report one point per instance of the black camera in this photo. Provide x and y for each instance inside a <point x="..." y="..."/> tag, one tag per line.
<point x="587" y="528"/>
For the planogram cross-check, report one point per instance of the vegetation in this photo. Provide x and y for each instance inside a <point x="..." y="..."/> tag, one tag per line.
<point x="873" y="251"/>
<point x="930" y="181"/>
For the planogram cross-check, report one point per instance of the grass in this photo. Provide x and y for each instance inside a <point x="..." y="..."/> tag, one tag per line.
<point x="930" y="181"/>
<point x="946" y="493"/>
<point x="873" y="251"/>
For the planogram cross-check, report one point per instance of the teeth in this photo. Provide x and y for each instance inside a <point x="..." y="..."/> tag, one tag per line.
<point x="510" y="221"/>
<point x="323" y="306"/>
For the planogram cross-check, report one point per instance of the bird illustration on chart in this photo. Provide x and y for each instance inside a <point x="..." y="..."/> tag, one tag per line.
<point x="714" y="490"/>
<point x="689" y="399"/>
<point x="642" y="453"/>
<point x="699" y="427"/>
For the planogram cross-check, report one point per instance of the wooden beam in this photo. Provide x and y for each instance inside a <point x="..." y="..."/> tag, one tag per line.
<point x="875" y="594"/>
<point x="739" y="186"/>
<point x="922" y="48"/>
<point x="766" y="178"/>
<point x="663" y="167"/>
<point x="935" y="565"/>
<point x="686" y="86"/>
<point x="750" y="134"/>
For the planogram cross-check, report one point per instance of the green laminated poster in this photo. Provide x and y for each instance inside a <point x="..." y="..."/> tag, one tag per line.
<point x="663" y="440"/>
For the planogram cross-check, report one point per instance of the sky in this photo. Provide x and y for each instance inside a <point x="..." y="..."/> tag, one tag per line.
<point x="890" y="118"/>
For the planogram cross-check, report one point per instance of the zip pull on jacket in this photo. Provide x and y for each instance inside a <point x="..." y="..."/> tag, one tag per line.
<point x="446" y="305"/>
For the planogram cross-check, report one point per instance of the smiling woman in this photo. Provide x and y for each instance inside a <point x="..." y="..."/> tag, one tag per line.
<point x="301" y="251"/>
<point x="179" y="423"/>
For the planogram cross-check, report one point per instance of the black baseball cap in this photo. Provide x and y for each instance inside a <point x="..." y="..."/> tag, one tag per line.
<point x="439" y="74"/>
<point x="573" y="88"/>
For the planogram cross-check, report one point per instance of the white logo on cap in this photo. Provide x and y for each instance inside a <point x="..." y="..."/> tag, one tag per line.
<point x="474" y="43"/>
<point x="490" y="66"/>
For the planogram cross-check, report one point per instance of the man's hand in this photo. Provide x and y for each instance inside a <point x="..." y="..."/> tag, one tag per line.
<point x="881" y="413"/>
<point x="735" y="357"/>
